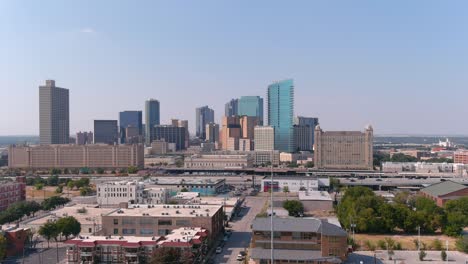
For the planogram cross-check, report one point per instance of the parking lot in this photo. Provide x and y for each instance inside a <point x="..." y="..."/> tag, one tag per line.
<point x="241" y="232"/>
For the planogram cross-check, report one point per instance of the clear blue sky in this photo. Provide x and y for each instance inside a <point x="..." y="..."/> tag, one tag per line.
<point x="399" y="65"/>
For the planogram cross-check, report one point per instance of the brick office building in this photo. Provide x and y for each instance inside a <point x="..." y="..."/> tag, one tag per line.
<point x="298" y="240"/>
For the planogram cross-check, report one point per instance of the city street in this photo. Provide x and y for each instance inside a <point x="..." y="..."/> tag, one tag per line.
<point x="407" y="257"/>
<point x="241" y="231"/>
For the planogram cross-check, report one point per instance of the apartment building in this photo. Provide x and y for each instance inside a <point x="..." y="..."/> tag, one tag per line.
<point x="76" y="156"/>
<point x="160" y="220"/>
<point x="460" y="157"/>
<point x="298" y="240"/>
<point x="12" y="192"/>
<point x="133" y="249"/>
<point x="343" y="150"/>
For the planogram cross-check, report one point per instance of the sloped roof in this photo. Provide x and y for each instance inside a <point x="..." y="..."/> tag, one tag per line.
<point x="297" y="225"/>
<point x="443" y="188"/>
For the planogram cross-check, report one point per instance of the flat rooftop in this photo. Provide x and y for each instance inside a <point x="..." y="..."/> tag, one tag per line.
<point x="91" y="216"/>
<point x="184" y="180"/>
<point x="314" y="196"/>
<point x="161" y="210"/>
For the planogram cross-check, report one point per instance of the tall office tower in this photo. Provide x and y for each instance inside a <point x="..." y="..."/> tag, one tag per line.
<point x="312" y="122"/>
<point x="248" y="123"/>
<point x="184" y="124"/>
<point x="302" y="138"/>
<point x="281" y="112"/>
<point x="344" y="150"/>
<point x="152" y="117"/>
<point x="170" y="134"/>
<point x="231" y="107"/>
<point x="212" y="132"/>
<point x="251" y="106"/>
<point x="84" y="138"/>
<point x="204" y="115"/>
<point x="106" y="132"/>
<point x="230" y="128"/>
<point x="54" y="114"/>
<point x="129" y="118"/>
<point x="264" y="138"/>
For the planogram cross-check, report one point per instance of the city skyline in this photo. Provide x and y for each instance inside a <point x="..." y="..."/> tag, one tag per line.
<point x="352" y="65"/>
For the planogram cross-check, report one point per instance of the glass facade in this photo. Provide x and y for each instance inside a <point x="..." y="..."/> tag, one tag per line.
<point x="130" y="118"/>
<point x="203" y="115"/>
<point x="152" y="118"/>
<point x="251" y="106"/>
<point x="281" y="112"/>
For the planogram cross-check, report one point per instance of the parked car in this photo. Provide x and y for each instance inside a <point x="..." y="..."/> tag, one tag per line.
<point x="219" y="250"/>
<point x="240" y="257"/>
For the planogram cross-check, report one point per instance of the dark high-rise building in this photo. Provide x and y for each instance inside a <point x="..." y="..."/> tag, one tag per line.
<point x="84" y="138"/>
<point x="54" y="114"/>
<point x="130" y="118"/>
<point x="231" y="108"/>
<point x="304" y="132"/>
<point x="106" y="131"/>
<point x="170" y="134"/>
<point x="281" y="112"/>
<point x="204" y="115"/>
<point x="152" y="117"/>
<point x="251" y="106"/>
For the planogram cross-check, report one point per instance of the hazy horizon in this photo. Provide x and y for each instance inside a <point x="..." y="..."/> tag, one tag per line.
<point x="400" y="66"/>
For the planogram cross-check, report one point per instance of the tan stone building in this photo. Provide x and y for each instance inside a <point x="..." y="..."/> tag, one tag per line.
<point x="75" y="156"/>
<point x="343" y="150"/>
<point x="159" y="220"/>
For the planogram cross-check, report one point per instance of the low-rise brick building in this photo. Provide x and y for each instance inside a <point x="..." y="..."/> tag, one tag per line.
<point x="444" y="191"/>
<point x="298" y="240"/>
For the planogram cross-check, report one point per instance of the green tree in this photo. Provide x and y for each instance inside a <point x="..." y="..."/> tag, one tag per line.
<point x="462" y="244"/>
<point x="184" y="190"/>
<point x="132" y="170"/>
<point x="165" y="255"/>
<point x="400" y="157"/>
<point x="68" y="226"/>
<point x="49" y="230"/>
<point x="309" y="164"/>
<point x="59" y="189"/>
<point x="285" y="189"/>
<point x="53" y="180"/>
<point x="70" y="185"/>
<point x="39" y="186"/>
<point x="179" y="163"/>
<point x="402" y="197"/>
<point x="3" y="247"/>
<point x="55" y="171"/>
<point x="100" y="171"/>
<point x="86" y="190"/>
<point x="294" y="207"/>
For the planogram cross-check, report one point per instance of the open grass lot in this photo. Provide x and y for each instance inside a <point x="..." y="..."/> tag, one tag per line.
<point x="46" y="192"/>
<point x="405" y="240"/>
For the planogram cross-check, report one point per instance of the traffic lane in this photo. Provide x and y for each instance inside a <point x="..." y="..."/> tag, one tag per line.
<point x="241" y="231"/>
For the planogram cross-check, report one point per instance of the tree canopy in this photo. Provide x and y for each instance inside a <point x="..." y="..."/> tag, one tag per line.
<point x="294" y="207"/>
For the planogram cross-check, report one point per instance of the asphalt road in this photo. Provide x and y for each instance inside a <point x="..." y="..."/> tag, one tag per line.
<point x="241" y="231"/>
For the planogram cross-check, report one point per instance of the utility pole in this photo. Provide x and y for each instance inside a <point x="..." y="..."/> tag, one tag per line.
<point x="271" y="217"/>
<point x="419" y="238"/>
<point x="447" y="258"/>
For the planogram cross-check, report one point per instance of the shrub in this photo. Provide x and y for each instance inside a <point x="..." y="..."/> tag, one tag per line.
<point x="437" y="244"/>
<point x="422" y="255"/>
<point x="443" y="255"/>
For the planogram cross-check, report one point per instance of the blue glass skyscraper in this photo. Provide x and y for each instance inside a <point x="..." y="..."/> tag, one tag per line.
<point x="251" y="106"/>
<point x="130" y="118"/>
<point x="152" y="118"/>
<point x="281" y="112"/>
